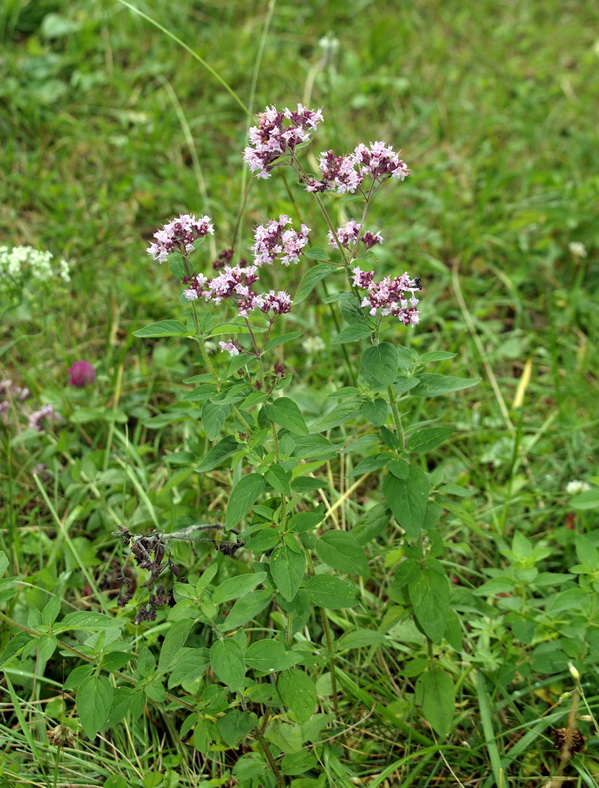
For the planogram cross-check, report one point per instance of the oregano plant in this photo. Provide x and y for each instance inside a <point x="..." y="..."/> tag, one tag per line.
<point x="257" y="655"/>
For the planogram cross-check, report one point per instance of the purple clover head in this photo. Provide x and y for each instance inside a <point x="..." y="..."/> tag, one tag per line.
<point x="81" y="373"/>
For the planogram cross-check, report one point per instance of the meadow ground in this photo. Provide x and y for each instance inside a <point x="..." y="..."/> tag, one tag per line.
<point x="111" y="126"/>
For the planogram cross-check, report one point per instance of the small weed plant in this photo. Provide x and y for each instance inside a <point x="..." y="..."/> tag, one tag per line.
<point x="243" y="623"/>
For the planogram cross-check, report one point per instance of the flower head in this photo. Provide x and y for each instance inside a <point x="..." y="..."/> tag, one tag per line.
<point x="229" y="346"/>
<point x="577" y="486"/>
<point x="272" y="240"/>
<point x="179" y="236"/>
<point x="45" y="414"/>
<point x="577" y="249"/>
<point x="81" y="373"/>
<point x="278" y="133"/>
<point x="338" y="174"/>
<point x="390" y="296"/>
<point x="351" y="232"/>
<point x="379" y="161"/>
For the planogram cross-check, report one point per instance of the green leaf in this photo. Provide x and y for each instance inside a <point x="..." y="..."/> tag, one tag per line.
<point x="376" y="411"/>
<point x="586" y="552"/>
<point x="305" y="521"/>
<point x="316" y="253"/>
<point x="313" y="445"/>
<point x="164" y="328"/>
<point x="429" y="595"/>
<point x="77" y="676"/>
<point x="235" y="587"/>
<point x="276" y="341"/>
<point x="243" y="495"/>
<point x="407" y="499"/>
<point x="311" y="278"/>
<point x="351" y="333"/>
<point x="298" y="693"/>
<point x="359" y="638"/>
<point x="299" y="763"/>
<point x="432" y="385"/>
<point x="381" y="362"/>
<point x="339" y="415"/>
<point x="586" y="500"/>
<point x="3" y="562"/>
<point x="234" y="327"/>
<point x="218" y="454"/>
<point x="351" y="311"/>
<point x="425" y="440"/>
<point x="46" y="646"/>
<point x="341" y="550"/>
<point x="269" y="655"/>
<point x="278" y="478"/>
<point x="246" y="609"/>
<point x="214" y="416"/>
<point x="435" y="355"/>
<point x="371" y="524"/>
<point x="199" y="393"/>
<point x="286" y="413"/>
<point x="287" y="569"/>
<point x="331" y="592"/>
<point x="51" y="610"/>
<point x="263" y="541"/>
<point x="173" y="642"/>
<point x="87" y="620"/>
<point x="226" y="658"/>
<point x="373" y="463"/>
<point x="235" y="726"/>
<point x="94" y="699"/>
<point x="191" y="664"/>
<point x="435" y="693"/>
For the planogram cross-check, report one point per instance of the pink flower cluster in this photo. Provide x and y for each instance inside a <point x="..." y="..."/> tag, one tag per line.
<point x="343" y="174"/>
<point x="235" y="283"/>
<point x="390" y="296"/>
<point x="179" y="236"/>
<point x="350" y="233"/>
<point x="45" y="414"/>
<point x="233" y="348"/>
<point x="277" y="134"/>
<point x="272" y="240"/>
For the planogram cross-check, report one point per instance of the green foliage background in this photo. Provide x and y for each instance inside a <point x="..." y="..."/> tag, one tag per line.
<point x="109" y="128"/>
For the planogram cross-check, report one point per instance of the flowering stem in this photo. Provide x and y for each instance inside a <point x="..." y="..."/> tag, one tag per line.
<point x="271" y="761"/>
<point x="327" y="633"/>
<point x="396" y="416"/>
<point x="304" y="176"/>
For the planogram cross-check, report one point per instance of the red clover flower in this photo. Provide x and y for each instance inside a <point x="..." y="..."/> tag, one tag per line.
<point x="81" y="373"/>
<point x="179" y="236"/>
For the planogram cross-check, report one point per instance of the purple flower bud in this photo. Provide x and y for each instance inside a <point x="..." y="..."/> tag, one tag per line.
<point x="81" y="373"/>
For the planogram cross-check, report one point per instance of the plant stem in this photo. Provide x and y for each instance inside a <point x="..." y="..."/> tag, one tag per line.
<point x="327" y="633"/>
<point x="271" y="760"/>
<point x="396" y="416"/>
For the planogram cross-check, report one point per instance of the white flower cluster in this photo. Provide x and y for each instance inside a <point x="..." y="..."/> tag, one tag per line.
<point x="19" y="263"/>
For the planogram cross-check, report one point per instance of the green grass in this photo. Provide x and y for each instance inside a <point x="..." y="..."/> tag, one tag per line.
<point x="110" y="129"/>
